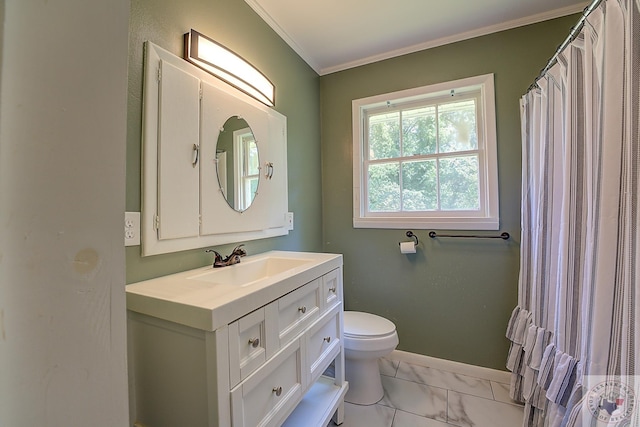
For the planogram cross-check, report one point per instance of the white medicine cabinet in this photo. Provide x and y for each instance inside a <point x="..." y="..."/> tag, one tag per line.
<point x="214" y="160"/>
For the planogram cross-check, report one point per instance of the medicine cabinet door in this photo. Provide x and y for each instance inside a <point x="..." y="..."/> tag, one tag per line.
<point x="178" y="140"/>
<point x="217" y="213"/>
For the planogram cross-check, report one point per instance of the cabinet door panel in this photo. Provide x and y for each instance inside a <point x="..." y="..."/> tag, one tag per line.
<point x="275" y="179"/>
<point x="178" y="133"/>
<point x="297" y="310"/>
<point x="247" y="345"/>
<point x="322" y="343"/>
<point x="267" y="396"/>
<point x="217" y="216"/>
<point x="331" y="289"/>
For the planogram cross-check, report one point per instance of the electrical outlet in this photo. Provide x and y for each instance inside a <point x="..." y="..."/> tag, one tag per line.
<point x="289" y="220"/>
<point x="131" y="228"/>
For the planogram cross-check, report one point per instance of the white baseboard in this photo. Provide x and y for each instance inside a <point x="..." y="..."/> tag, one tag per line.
<point x="451" y="366"/>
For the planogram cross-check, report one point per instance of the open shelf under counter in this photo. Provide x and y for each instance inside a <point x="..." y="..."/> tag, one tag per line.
<point x="318" y="405"/>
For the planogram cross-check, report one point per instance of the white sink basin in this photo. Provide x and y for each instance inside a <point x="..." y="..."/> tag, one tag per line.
<point x="208" y="298"/>
<point x="247" y="273"/>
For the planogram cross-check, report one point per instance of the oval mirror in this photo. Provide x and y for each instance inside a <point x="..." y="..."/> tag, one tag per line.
<point x="237" y="163"/>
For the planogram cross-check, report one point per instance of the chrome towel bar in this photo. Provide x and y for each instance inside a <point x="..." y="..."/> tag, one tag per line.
<point x="503" y="236"/>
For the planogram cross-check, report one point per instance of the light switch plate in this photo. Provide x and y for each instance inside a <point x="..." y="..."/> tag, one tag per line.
<point x="289" y="220"/>
<point x="132" y="228"/>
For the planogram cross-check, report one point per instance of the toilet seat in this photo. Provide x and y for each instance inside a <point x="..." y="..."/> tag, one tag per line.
<point x="366" y="332"/>
<point x="366" y="325"/>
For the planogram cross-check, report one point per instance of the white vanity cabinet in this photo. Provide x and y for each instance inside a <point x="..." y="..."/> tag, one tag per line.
<point x="259" y="357"/>
<point x="186" y="200"/>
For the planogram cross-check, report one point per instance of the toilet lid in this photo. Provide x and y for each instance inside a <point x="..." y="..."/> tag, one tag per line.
<point x="359" y="324"/>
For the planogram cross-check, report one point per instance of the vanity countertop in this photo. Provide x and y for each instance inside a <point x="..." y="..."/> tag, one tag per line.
<point x="207" y="298"/>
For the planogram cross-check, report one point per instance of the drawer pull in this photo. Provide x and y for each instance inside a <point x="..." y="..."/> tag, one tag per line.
<point x="327" y="339"/>
<point x="333" y="289"/>
<point x="255" y="342"/>
<point x="302" y="309"/>
<point x="277" y="391"/>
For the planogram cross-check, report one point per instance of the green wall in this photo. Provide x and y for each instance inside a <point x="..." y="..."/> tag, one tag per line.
<point x="234" y="24"/>
<point x="453" y="298"/>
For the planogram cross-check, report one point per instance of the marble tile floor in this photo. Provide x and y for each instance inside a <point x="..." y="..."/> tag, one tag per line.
<point x="418" y="396"/>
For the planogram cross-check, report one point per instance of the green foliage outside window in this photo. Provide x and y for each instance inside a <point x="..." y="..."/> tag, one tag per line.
<point x="424" y="159"/>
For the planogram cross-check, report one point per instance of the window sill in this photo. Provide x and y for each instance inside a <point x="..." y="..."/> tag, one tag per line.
<point x="429" y="223"/>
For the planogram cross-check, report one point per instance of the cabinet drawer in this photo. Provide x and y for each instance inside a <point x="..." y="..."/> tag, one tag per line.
<point x="297" y="310"/>
<point x="267" y="396"/>
<point x="323" y="343"/>
<point x="331" y="289"/>
<point x="247" y="345"/>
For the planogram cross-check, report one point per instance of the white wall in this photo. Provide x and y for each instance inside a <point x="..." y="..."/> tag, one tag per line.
<point x="62" y="193"/>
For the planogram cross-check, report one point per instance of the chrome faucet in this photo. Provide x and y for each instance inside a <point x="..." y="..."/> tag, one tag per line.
<point x="233" y="258"/>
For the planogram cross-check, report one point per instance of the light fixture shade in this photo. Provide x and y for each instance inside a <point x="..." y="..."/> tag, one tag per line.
<point x="221" y="62"/>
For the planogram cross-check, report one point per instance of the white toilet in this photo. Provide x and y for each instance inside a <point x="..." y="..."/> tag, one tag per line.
<point x="367" y="338"/>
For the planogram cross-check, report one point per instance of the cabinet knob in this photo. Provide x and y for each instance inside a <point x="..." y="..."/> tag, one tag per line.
<point x="327" y="339"/>
<point x="277" y="391"/>
<point x="333" y="289"/>
<point x="254" y="342"/>
<point x="302" y="309"/>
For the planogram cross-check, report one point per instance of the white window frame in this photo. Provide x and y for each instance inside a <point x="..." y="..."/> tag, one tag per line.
<point x="487" y="217"/>
<point x="242" y="193"/>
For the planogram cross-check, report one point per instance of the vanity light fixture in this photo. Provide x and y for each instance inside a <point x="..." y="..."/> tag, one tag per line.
<point x="221" y="62"/>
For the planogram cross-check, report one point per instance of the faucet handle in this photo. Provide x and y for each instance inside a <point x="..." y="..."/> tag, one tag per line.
<point x="215" y="253"/>
<point x="239" y="251"/>
<point x="217" y="260"/>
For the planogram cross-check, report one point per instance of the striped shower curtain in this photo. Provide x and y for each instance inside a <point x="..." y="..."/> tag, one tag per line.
<point x="575" y="334"/>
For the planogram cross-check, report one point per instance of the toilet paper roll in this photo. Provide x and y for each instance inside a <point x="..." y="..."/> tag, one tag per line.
<point x="407" y="247"/>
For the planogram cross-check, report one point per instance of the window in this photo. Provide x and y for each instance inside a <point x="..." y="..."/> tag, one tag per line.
<point x="246" y="167"/>
<point x="426" y="157"/>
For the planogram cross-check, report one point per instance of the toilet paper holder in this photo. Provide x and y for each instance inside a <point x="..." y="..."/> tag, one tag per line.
<point x="410" y="234"/>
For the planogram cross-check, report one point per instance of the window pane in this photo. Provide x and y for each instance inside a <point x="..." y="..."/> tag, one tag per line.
<point x="384" y="136"/>
<point x="254" y="187"/>
<point x="419" y="186"/>
<point x="457" y="126"/>
<point x="252" y="158"/>
<point x="249" y="188"/>
<point x="459" y="183"/>
<point x="384" y="187"/>
<point x="419" y="131"/>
